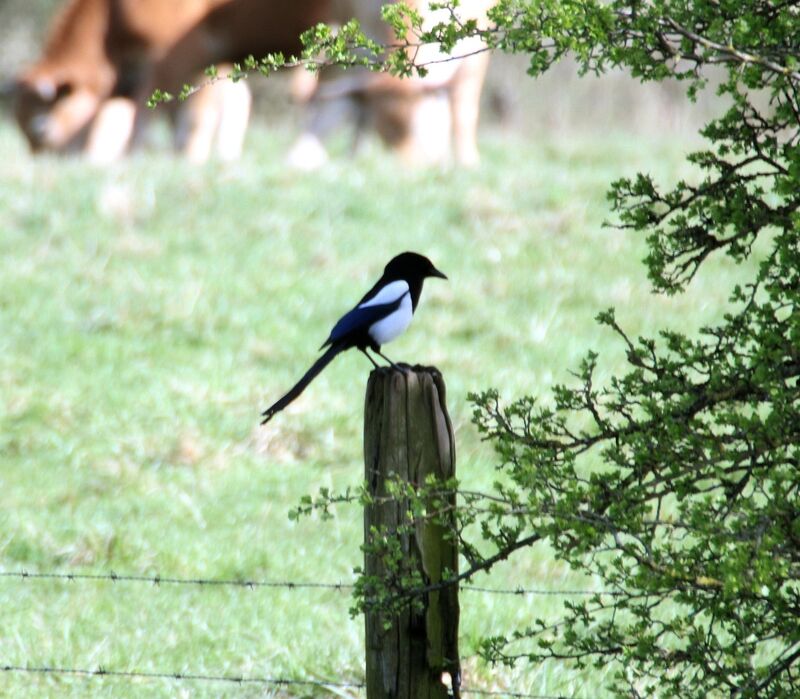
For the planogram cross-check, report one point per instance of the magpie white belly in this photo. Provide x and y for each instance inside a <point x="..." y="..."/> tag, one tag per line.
<point x="388" y="328"/>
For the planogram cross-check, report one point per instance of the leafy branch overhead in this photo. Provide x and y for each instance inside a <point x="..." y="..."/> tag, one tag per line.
<point x="676" y="483"/>
<point x="655" y="40"/>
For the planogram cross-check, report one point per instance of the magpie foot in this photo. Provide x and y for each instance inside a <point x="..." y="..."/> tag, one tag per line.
<point x="391" y="363"/>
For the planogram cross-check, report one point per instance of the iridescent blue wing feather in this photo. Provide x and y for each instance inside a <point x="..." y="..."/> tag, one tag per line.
<point x="360" y="319"/>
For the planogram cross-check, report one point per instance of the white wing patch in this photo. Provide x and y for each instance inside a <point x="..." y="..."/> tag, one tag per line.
<point x="388" y="328"/>
<point x="388" y="294"/>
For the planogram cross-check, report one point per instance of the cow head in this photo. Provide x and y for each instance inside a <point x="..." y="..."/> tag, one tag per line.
<point x="52" y="109"/>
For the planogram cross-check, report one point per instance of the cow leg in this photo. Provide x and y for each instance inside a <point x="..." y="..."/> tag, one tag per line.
<point x="325" y="116"/>
<point x="428" y="141"/>
<point x="216" y="115"/>
<point x="465" y="98"/>
<point x="180" y="65"/>
<point x="111" y="131"/>
<point x="196" y="124"/>
<point x="235" y="115"/>
<point x="302" y="84"/>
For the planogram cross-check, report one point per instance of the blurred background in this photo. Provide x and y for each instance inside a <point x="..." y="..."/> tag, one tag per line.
<point x="153" y="303"/>
<point x="558" y="102"/>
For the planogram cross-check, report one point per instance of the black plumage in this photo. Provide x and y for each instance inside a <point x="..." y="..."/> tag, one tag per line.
<point x="382" y="314"/>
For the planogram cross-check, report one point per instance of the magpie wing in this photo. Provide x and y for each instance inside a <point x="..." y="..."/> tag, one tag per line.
<point x="359" y="320"/>
<point x="385" y="292"/>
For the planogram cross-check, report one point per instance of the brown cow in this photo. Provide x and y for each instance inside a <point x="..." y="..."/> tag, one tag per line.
<point x="419" y="117"/>
<point x="55" y="99"/>
<point x="102" y="58"/>
<point x="101" y="54"/>
<point x="95" y="50"/>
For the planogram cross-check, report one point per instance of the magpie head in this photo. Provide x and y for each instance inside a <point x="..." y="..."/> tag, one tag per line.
<point x="411" y="266"/>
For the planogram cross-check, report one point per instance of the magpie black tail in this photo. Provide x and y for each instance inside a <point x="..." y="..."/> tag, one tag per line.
<point x="300" y="386"/>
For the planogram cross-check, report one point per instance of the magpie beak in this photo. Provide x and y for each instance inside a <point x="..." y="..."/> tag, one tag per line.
<point x="383" y="314"/>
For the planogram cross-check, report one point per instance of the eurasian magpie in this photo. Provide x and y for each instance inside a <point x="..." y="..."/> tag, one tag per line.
<point x="378" y="318"/>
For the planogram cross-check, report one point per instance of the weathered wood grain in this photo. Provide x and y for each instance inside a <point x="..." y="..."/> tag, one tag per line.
<point x="408" y="436"/>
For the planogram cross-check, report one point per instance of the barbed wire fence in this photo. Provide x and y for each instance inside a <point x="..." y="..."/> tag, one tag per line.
<point x="234" y="679"/>
<point x="156" y="580"/>
<point x="277" y="682"/>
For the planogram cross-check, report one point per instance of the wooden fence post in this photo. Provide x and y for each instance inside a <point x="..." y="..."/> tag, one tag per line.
<point x="408" y="436"/>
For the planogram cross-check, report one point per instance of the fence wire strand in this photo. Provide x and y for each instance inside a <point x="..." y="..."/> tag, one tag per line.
<point x="156" y="580"/>
<point x="185" y="676"/>
<point x="242" y="680"/>
<point x="159" y="580"/>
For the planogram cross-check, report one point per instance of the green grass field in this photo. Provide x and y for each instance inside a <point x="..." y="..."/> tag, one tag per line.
<point x="148" y="312"/>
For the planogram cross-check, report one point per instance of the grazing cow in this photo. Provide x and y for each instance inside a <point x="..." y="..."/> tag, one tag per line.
<point x="95" y="50"/>
<point x="419" y="117"/>
<point x="103" y="58"/>
<point x="56" y="99"/>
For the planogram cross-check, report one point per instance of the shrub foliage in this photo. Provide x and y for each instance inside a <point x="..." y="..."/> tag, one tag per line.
<point x="676" y="483"/>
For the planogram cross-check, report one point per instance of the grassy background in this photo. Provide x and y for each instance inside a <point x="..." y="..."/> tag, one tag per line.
<point x="149" y="311"/>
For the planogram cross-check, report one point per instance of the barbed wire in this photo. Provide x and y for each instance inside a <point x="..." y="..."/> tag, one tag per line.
<point x="231" y="582"/>
<point x="159" y="580"/>
<point x="531" y="591"/>
<point x="180" y="676"/>
<point x="102" y="672"/>
<point x="251" y="584"/>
